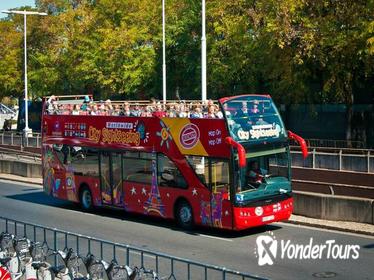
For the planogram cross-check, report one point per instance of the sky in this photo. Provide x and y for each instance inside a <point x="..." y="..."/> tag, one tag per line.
<point x="9" y="4"/>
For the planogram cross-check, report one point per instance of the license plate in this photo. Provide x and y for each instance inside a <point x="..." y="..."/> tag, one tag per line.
<point x="268" y="218"/>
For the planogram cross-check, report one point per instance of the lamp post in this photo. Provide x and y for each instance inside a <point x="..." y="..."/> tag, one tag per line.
<point x="163" y="54"/>
<point x="27" y="130"/>
<point x="203" y="54"/>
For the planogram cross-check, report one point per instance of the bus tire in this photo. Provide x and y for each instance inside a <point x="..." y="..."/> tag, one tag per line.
<point x="85" y="198"/>
<point x="184" y="215"/>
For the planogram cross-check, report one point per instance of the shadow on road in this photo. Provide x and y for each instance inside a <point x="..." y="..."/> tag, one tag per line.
<point x="39" y="197"/>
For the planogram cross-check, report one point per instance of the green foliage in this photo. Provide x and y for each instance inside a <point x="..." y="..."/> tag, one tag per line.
<point x="298" y="51"/>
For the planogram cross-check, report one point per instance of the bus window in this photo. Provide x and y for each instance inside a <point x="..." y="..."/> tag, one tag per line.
<point x="137" y="169"/>
<point x="201" y="167"/>
<point x="262" y="167"/>
<point x="220" y="179"/>
<point x="63" y="153"/>
<point x="85" y="161"/>
<point x="168" y="174"/>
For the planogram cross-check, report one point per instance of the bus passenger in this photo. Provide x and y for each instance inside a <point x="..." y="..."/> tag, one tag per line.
<point x="183" y="111"/>
<point x="76" y="110"/>
<point x="218" y="112"/>
<point x="51" y="105"/>
<point x="136" y="112"/>
<point x="108" y="107"/>
<point x="205" y="106"/>
<point x="102" y="110"/>
<point x="171" y="113"/>
<point x="211" y="112"/>
<point x="227" y="111"/>
<point x="67" y="109"/>
<point x="159" y="112"/>
<point x="153" y="104"/>
<point x="243" y="111"/>
<point x="116" y="110"/>
<point x="94" y="110"/>
<point x="86" y="103"/>
<point x="254" y="109"/>
<point x="196" y="113"/>
<point x="126" y="109"/>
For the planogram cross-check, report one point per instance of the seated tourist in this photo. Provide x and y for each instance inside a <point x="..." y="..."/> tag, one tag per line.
<point x="136" y="111"/>
<point x="126" y="109"/>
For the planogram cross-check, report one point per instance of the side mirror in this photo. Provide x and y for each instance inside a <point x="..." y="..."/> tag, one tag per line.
<point x="301" y="141"/>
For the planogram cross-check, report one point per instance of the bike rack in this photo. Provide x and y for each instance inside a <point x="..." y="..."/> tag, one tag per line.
<point x="164" y="265"/>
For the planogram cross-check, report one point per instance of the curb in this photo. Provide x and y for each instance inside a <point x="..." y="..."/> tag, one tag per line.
<point x="19" y="180"/>
<point x="318" y="225"/>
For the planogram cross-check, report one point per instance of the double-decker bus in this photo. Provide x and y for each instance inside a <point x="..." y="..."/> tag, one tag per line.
<point x="231" y="172"/>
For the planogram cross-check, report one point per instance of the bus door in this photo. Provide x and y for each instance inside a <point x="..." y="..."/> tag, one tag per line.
<point x="220" y="196"/>
<point x="111" y="179"/>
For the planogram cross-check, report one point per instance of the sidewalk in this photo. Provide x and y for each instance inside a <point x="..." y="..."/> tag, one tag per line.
<point x="16" y="178"/>
<point x="353" y="227"/>
<point x="360" y="228"/>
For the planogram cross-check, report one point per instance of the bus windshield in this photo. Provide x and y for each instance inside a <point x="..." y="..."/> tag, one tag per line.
<point x="253" y="118"/>
<point x="266" y="172"/>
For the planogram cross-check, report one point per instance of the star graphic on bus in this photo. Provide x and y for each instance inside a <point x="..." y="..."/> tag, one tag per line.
<point x="164" y="134"/>
<point x="144" y="191"/>
<point x="133" y="191"/>
<point x="194" y="191"/>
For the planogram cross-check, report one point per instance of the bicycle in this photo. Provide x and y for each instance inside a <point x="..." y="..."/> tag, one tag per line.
<point x="9" y="260"/>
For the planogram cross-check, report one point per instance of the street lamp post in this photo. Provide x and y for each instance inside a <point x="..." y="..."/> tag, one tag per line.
<point x="163" y="54"/>
<point x="203" y="54"/>
<point x="25" y="13"/>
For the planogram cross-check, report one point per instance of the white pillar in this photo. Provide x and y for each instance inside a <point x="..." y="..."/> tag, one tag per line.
<point x="27" y="129"/>
<point x="163" y="54"/>
<point x="203" y="54"/>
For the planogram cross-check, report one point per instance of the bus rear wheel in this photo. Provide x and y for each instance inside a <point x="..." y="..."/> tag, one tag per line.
<point x="86" y="199"/>
<point x="184" y="215"/>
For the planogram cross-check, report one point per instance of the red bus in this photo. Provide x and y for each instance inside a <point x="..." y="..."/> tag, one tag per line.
<point x="231" y="171"/>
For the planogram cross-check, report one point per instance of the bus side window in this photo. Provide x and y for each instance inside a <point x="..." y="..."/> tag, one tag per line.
<point x="136" y="169"/>
<point x="168" y="174"/>
<point x="220" y="180"/>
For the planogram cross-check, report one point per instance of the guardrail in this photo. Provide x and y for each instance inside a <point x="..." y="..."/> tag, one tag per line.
<point x="335" y="160"/>
<point x="165" y="265"/>
<point x="323" y="143"/>
<point x="19" y="139"/>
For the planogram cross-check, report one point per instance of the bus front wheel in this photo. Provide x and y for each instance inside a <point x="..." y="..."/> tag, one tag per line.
<point x="184" y="215"/>
<point x="86" y="199"/>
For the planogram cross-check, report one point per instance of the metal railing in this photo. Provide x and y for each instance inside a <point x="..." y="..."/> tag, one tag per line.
<point x="165" y="265"/>
<point x="335" y="160"/>
<point x="328" y="143"/>
<point x="19" y="139"/>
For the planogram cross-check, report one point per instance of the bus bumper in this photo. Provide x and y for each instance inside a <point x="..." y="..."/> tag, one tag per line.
<point x="247" y="217"/>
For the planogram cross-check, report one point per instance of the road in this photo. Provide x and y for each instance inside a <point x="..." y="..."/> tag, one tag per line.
<point x="28" y="203"/>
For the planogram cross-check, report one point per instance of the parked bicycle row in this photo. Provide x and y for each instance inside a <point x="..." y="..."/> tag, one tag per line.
<point x="27" y="260"/>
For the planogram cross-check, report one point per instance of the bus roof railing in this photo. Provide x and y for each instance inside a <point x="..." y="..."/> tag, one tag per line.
<point x="140" y="101"/>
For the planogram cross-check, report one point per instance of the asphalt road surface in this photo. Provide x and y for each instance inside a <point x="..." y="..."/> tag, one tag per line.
<point x="26" y="202"/>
